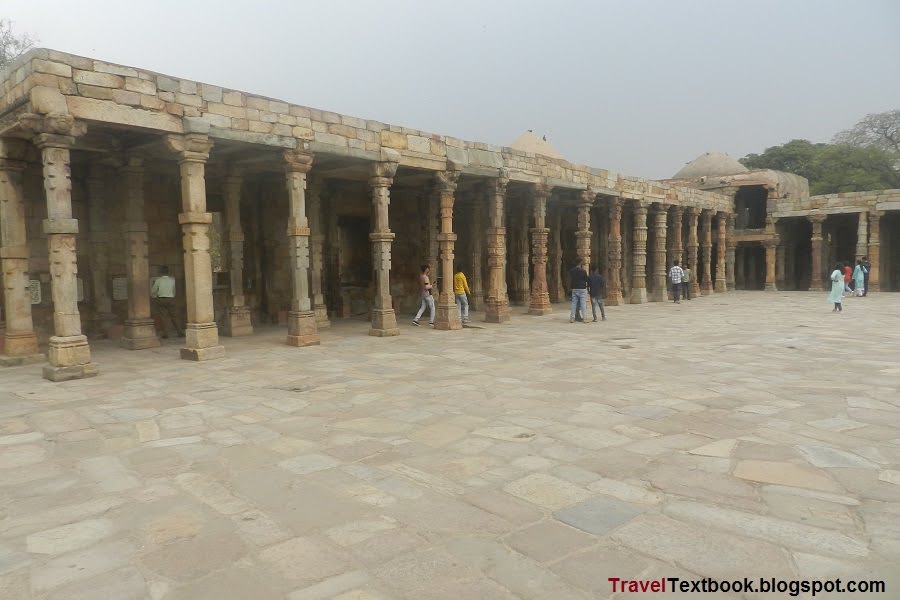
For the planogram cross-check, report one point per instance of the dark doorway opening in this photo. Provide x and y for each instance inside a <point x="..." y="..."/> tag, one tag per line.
<point x="750" y="207"/>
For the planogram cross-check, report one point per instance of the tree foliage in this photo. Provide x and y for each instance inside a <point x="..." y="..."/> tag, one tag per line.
<point x="879" y="130"/>
<point x="13" y="45"/>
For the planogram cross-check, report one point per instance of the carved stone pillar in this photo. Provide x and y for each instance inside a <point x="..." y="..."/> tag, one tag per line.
<point x="706" y="245"/>
<point x="432" y="206"/>
<point x="730" y="246"/>
<point x="862" y="236"/>
<point x="583" y="235"/>
<point x="554" y="261"/>
<point x="302" y="330"/>
<point x="103" y="317"/>
<point x="658" y="289"/>
<point x="476" y="250"/>
<point x="201" y="333"/>
<point x="740" y="269"/>
<point x="676" y="244"/>
<point x="540" y="296"/>
<point x="771" y="246"/>
<point x="817" y="275"/>
<point x="317" y="251"/>
<point x="779" y="266"/>
<point x="384" y="321"/>
<point x="614" y="254"/>
<point x="522" y="257"/>
<point x="140" y="329"/>
<point x="721" y="242"/>
<point x="639" y="255"/>
<point x="497" y="309"/>
<point x="874" y="250"/>
<point x="446" y="315"/>
<point x="237" y="319"/>
<point x="20" y="343"/>
<point x="69" y="353"/>
<point x="693" y="246"/>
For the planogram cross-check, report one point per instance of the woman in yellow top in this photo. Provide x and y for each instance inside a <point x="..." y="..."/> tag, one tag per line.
<point x="460" y="289"/>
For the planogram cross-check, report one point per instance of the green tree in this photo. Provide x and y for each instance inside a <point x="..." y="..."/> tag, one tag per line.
<point x="879" y="130"/>
<point x="13" y="45"/>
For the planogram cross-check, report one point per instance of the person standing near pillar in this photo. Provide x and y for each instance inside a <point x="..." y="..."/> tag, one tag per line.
<point x="837" y="288"/>
<point x="384" y="320"/>
<point x="425" y="288"/>
<point x="163" y="291"/>
<point x="676" y="275"/>
<point x="686" y="282"/>
<point x="595" y="283"/>
<point x="867" y="266"/>
<point x="462" y="292"/>
<point x="578" y="279"/>
<point x="445" y="312"/>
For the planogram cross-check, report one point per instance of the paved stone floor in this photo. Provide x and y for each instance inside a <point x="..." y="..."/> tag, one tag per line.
<point x="733" y="435"/>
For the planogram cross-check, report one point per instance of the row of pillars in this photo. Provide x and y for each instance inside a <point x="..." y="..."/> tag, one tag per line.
<point x="868" y="243"/>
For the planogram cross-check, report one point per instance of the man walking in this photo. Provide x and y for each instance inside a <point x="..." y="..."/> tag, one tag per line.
<point x="578" y="278"/>
<point x="867" y="266"/>
<point x="427" y="298"/>
<point x="163" y="290"/>
<point x="676" y="276"/>
<point x="596" y="285"/>
<point x="460" y="290"/>
<point x="685" y="282"/>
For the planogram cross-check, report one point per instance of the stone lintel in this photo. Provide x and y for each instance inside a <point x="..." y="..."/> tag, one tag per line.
<point x="249" y="137"/>
<point x="51" y="226"/>
<point x="195" y="218"/>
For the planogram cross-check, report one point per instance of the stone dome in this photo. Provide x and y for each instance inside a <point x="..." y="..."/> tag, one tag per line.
<point x="710" y="164"/>
<point x="529" y="142"/>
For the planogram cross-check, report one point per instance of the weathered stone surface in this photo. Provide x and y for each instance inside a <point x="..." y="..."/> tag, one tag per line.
<point x="69" y="537"/>
<point x="598" y="515"/>
<point x="81" y="565"/>
<point x="784" y="474"/>
<point x="547" y="491"/>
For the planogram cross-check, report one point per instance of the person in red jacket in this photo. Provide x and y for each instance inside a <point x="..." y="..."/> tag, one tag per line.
<point x="848" y="275"/>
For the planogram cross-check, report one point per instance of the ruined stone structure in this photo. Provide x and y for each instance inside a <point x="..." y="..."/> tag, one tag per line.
<point x="268" y="212"/>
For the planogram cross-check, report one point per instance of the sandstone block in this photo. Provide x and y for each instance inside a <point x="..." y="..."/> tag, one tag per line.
<point x="166" y="84"/>
<point x="257" y="103"/>
<point x="53" y="68"/>
<point x="235" y="112"/>
<point x="187" y="87"/>
<point x="300" y="111"/>
<point x="319" y="127"/>
<point x="279" y="108"/>
<point x="418" y="144"/>
<point x="142" y="86"/>
<point x="232" y="98"/>
<point x="393" y="139"/>
<point x="98" y="110"/>
<point x="126" y="97"/>
<point x="99" y="79"/>
<point x="211" y="93"/>
<point x="258" y="127"/>
<point x="175" y="109"/>
<point x="279" y="129"/>
<point x="342" y="130"/>
<point x="102" y="67"/>
<point x="330" y="117"/>
<point x="188" y="99"/>
<point x="152" y="102"/>
<point x="331" y="139"/>
<point x="304" y="133"/>
<point x="92" y="91"/>
<point x="48" y="100"/>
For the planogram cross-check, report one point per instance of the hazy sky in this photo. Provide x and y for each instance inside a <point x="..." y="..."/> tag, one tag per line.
<point x="639" y="87"/>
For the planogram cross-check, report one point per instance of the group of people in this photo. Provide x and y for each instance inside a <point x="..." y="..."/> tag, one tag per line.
<point x="460" y="290"/>
<point x="843" y="276"/>
<point x="582" y="283"/>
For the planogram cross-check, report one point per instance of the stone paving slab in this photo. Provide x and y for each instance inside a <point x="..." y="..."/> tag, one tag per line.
<point x="732" y="435"/>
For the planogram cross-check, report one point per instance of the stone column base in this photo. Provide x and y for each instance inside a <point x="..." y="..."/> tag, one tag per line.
<point x="321" y="312"/>
<point x="720" y="286"/>
<point x="705" y="289"/>
<point x="139" y="334"/>
<point x="729" y="287"/>
<point x="384" y="323"/>
<point x="237" y="322"/>
<point x="540" y="311"/>
<point x="770" y="287"/>
<point x="201" y="342"/>
<point x="615" y="298"/>
<point x="72" y="372"/>
<point x="446" y="317"/>
<point x="638" y="296"/>
<point x="496" y="311"/>
<point x="302" y="330"/>
<point x="20" y="348"/>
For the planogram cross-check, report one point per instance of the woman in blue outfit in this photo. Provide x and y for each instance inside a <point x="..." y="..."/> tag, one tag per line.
<point x="837" y="287"/>
<point x="859" y="279"/>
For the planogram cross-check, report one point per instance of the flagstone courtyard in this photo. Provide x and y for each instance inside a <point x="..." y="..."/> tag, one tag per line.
<point x="739" y="434"/>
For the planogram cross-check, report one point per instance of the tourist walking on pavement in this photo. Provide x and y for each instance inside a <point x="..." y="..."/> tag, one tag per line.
<point x="163" y="289"/>
<point x="868" y="267"/>
<point x="578" y="279"/>
<point x="460" y="289"/>
<point x="848" y="277"/>
<point x="676" y="276"/>
<point x="859" y="278"/>
<point x="427" y="298"/>
<point x="595" y="282"/>
<point x="837" y="287"/>
<point x="686" y="283"/>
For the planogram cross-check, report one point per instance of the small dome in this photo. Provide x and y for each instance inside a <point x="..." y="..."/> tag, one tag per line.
<point x="528" y="142"/>
<point x="710" y="164"/>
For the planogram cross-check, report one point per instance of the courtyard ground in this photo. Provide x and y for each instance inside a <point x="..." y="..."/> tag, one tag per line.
<point x="745" y="434"/>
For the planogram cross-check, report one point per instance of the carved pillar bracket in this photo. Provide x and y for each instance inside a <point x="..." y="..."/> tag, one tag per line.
<point x="69" y="353"/>
<point x="658" y="289"/>
<point x="201" y="333"/>
<point x="302" y="329"/>
<point x="706" y="286"/>
<point x="384" y="320"/>
<point x="721" y="241"/>
<point x="237" y="319"/>
<point x="140" y="330"/>
<point x="874" y="250"/>
<point x="20" y="343"/>
<point x="497" y="308"/>
<point x="730" y="246"/>
<point x="639" y="254"/>
<point x="446" y="315"/>
<point x="614" y="254"/>
<point x="693" y="247"/>
<point x="540" y="296"/>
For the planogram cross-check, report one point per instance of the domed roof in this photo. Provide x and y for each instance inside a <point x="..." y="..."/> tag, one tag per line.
<point x="710" y="164"/>
<point x="528" y="142"/>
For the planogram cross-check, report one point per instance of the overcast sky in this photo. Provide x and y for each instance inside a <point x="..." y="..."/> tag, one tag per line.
<point x="639" y="87"/>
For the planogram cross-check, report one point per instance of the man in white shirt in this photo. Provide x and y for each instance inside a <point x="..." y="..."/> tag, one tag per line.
<point x="164" y="291"/>
<point x="676" y="274"/>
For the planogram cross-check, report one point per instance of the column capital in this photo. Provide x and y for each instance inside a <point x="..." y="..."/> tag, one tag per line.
<point x="446" y="181"/>
<point x="542" y="190"/>
<point x="132" y="164"/>
<point x="53" y="140"/>
<point x="693" y="211"/>
<point x="771" y="242"/>
<point x="587" y="196"/>
<point x="875" y="215"/>
<point x="722" y="214"/>
<point x="662" y="206"/>
<point x="297" y="161"/>
<point x="642" y="206"/>
<point x="817" y="218"/>
<point x="381" y="174"/>
<point x="193" y="147"/>
<point x="53" y="124"/>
